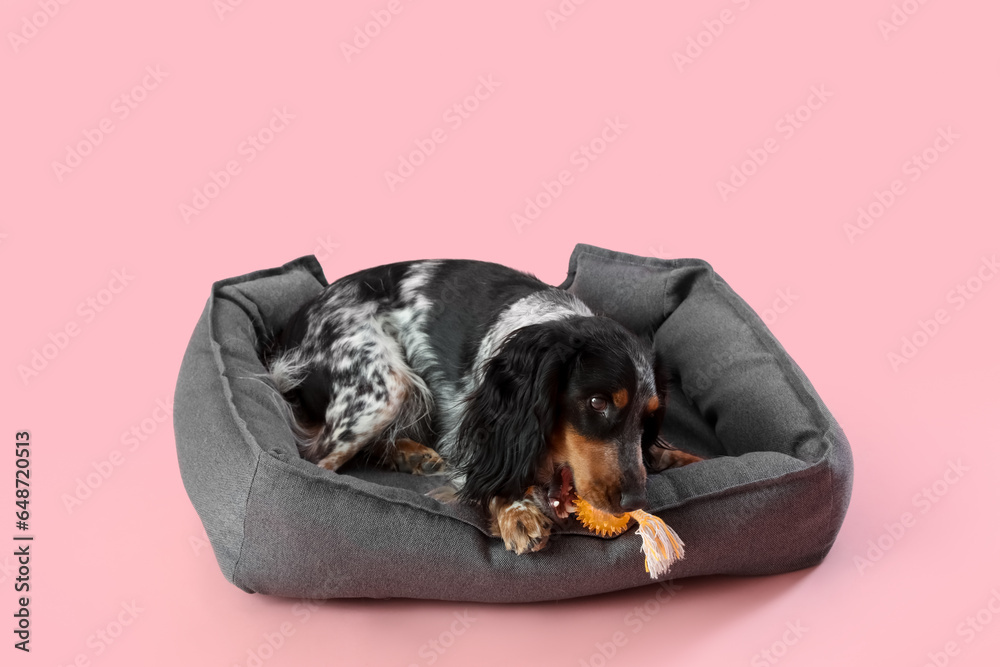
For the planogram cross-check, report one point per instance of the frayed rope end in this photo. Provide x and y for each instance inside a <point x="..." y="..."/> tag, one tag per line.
<point x="661" y="545"/>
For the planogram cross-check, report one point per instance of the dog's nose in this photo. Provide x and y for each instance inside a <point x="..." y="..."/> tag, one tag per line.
<point x="632" y="501"/>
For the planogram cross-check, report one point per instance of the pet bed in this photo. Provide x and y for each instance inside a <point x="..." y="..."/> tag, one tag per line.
<point x="771" y="497"/>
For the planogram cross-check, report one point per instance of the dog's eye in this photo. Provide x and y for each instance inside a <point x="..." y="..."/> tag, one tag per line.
<point x="599" y="404"/>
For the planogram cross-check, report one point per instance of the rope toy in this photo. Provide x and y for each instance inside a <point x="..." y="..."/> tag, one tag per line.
<point x="661" y="545"/>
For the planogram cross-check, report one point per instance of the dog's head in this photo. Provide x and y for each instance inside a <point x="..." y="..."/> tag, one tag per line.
<point x="569" y="407"/>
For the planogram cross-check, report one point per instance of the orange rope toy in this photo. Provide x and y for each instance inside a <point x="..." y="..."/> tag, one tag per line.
<point x="661" y="545"/>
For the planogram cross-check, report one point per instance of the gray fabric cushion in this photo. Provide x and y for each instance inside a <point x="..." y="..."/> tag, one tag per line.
<point x="771" y="500"/>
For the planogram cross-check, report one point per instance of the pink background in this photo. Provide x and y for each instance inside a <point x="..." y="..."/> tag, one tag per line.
<point x="840" y="305"/>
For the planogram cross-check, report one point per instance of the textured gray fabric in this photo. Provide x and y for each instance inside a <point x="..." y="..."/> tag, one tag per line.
<point x="771" y="499"/>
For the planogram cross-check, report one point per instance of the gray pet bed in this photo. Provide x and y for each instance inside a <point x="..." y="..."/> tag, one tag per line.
<point x="771" y="499"/>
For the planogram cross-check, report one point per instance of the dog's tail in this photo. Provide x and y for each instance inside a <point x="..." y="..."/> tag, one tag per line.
<point x="287" y="372"/>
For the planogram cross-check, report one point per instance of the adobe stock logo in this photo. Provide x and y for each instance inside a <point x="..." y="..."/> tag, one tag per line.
<point x="914" y="167"/>
<point x="434" y="648"/>
<point x="562" y="12"/>
<point x="968" y="630"/>
<point x="223" y="7"/>
<point x="249" y="149"/>
<point x="272" y="642"/>
<point x="325" y="249"/>
<point x="122" y="107"/>
<point x="102" y="639"/>
<point x="924" y="500"/>
<point x="103" y="469"/>
<point x="88" y="309"/>
<point x="779" y="648"/>
<point x="713" y="29"/>
<point x="789" y="123"/>
<point x="364" y="34"/>
<point x="959" y="296"/>
<point x="585" y="154"/>
<point x="606" y="650"/>
<point x="900" y="16"/>
<point x="782" y="304"/>
<point x="30" y="25"/>
<point x="455" y="116"/>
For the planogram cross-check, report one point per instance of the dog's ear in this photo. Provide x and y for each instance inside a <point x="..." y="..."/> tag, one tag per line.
<point x="510" y="415"/>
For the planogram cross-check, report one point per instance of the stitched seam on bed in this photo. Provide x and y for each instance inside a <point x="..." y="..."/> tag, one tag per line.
<point x="812" y="403"/>
<point x="225" y="377"/>
<point x="748" y="487"/>
<point x="832" y="529"/>
<point x="308" y="263"/>
<point x="246" y="505"/>
<point x="618" y="257"/>
<point x="238" y="420"/>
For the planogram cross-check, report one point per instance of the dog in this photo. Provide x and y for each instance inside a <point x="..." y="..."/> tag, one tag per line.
<point x="514" y="389"/>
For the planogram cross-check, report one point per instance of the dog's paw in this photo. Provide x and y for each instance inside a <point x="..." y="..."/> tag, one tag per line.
<point x="522" y="525"/>
<point x="664" y="457"/>
<point x="334" y="460"/>
<point x="412" y="457"/>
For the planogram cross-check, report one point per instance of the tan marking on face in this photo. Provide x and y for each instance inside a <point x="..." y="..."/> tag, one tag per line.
<point x="620" y="398"/>
<point x="596" y="473"/>
<point x="653" y="404"/>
